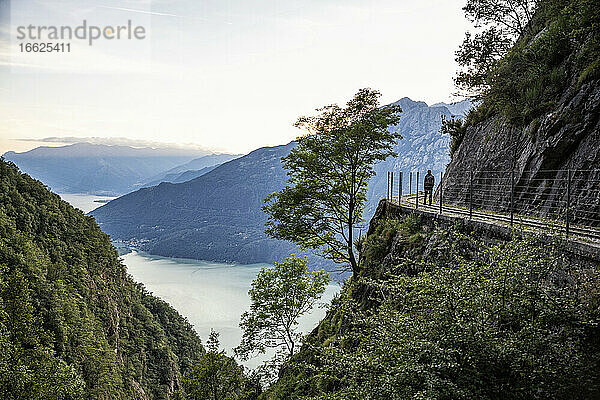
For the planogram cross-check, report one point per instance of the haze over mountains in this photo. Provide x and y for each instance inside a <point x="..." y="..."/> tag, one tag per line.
<point x="191" y="170"/>
<point x="104" y="169"/>
<point x="218" y="216"/>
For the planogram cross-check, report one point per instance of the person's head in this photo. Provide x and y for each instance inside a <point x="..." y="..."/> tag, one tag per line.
<point x="429" y="171"/>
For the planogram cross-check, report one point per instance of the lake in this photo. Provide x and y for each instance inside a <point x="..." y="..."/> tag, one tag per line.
<point x="85" y="202"/>
<point x="210" y="295"/>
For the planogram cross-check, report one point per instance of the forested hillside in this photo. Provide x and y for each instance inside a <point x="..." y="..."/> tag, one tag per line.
<point x="73" y="324"/>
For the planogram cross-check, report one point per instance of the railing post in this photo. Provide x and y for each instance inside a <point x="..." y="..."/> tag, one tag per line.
<point x="387" y="193"/>
<point x="400" y="187"/>
<point x="410" y="184"/>
<point x="471" y="195"/>
<point x="512" y="196"/>
<point x="441" y="192"/>
<point x="392" y="185"/>
<point x="567" y="217"/>
<point x="417" y="198"/>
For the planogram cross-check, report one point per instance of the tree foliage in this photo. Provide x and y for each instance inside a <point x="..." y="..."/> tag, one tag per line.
<point x="526" y="54"/>
<point x="279" y="297"/>
<point x="328" y="175"/>
<point x="498" y="24"/>
<point x="218" y="377"/>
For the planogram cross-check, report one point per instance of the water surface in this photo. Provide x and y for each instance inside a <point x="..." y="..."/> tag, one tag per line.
<point x="210" y="295"/>
<point x="85" y="202"/>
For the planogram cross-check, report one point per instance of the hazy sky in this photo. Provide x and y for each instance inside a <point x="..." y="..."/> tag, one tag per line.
<point x="224" y="74"/>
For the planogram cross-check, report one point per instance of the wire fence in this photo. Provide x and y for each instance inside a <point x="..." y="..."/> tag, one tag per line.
<point x="561" y="198"/>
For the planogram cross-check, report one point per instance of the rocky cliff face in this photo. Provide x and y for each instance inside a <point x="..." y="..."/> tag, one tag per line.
<point x="538" y="120"/>
<point x="568" y="138"/>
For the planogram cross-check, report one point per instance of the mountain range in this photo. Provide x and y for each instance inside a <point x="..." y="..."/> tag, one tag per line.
<point x="105" y="169"/>
<point x="218" y="216"/>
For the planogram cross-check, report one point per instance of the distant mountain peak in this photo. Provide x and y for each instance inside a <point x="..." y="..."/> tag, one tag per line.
<point x="407" y="103"/>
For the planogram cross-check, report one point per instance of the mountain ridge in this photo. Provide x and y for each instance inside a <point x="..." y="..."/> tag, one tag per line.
<point x="98" y="169"/>
<point x="163" y="218"/>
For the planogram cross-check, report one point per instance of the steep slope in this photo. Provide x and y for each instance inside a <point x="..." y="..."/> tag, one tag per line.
<point x="439" y="314"/>
<point x="73" y="324"/>
<point x="218" y="216"/>
<point x="540" y="117"/>
<point x="96" y="169"/>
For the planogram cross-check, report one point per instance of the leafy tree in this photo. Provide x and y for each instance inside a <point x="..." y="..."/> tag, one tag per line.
<point x="499" y="23"/>
<point x="279" y="296"/>
<point x="525" y="54"/>
<point x="29" y="367"/>
<point x="455" y="127"/>
<point x="328" y="175"/>
<point x="217" y="377"/>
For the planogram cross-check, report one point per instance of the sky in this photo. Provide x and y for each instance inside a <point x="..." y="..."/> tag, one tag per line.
<point x="227" y="75"/>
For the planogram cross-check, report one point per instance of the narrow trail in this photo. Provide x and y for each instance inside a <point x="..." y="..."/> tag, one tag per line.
<point x="584" y="234"/>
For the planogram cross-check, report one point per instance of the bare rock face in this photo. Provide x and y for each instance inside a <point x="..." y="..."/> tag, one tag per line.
<point x="541" y="156"/>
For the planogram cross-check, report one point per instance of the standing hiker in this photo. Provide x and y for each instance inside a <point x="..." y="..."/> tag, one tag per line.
<point x="428" y="185"/>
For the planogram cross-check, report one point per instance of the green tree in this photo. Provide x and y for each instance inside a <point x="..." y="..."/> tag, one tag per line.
<point x="328" y="175"/>
<point x="73" y="324"/>
<point x="456" y="128"/>
<point x="217" y="377"/>
<point x="279" y="296"/>
<point x="29" y="367"/>
<point x="498" y="24"/>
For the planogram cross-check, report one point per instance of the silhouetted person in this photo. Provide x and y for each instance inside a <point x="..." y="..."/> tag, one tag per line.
<point x="428" y="185"/>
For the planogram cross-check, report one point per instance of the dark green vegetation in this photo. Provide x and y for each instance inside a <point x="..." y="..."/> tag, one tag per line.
<point x="73" y="324"/>
<point x="557" y="47"/>
<point x="218" y="377"/>
<point x="328" y="174"/>
<point x="438" y="315"/>
<point x="457" y="129"/>
<point x="279" y="297"/>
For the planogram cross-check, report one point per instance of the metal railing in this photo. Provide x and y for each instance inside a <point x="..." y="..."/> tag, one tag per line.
<point x="564" y="200"/>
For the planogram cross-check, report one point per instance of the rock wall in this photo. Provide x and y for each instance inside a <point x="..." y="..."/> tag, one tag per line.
<point x="541" y="154"/>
